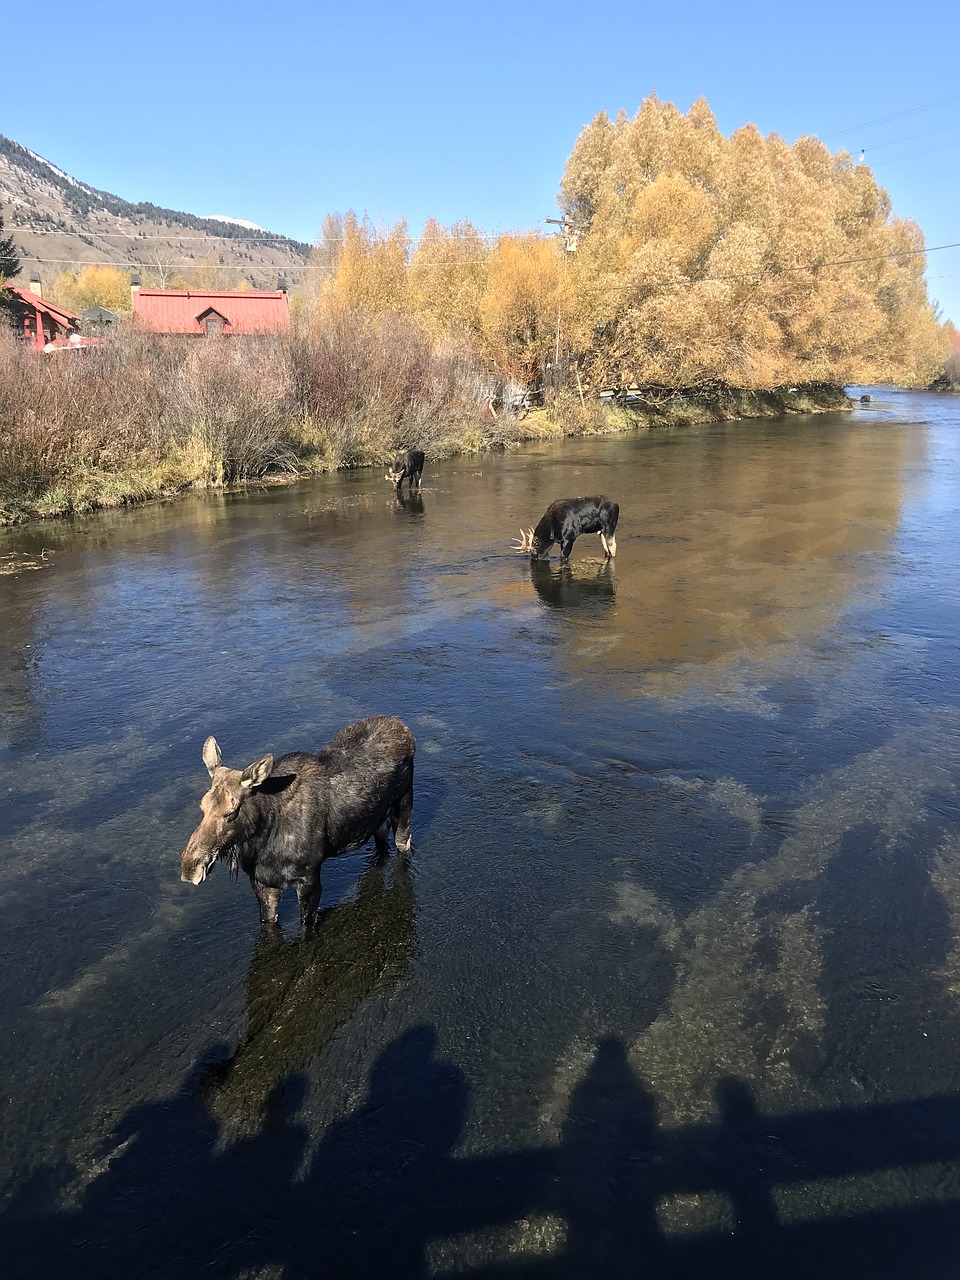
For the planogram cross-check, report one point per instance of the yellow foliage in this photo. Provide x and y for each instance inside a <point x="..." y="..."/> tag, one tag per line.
<point x="448" y="279"/>
<point x="93" y="287"/>
<point x="700" y="259"/>
<point x="523" y="305"/>
<point x="371" y="271"/>
<point x="741" y="260"/>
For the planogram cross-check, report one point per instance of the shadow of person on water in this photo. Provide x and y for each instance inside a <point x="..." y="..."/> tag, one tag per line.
<point x="738" y="1194"/>
<point x="165" y="1200"/>
<point x="380" y="1177"/>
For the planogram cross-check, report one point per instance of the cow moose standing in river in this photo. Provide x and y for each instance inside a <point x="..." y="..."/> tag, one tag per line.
<point x="279" y="820"/>
<point x="565" y="520"/>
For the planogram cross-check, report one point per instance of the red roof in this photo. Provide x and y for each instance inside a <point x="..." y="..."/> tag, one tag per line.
<point x="66" y="319"/>
<point x="185" y="310"/>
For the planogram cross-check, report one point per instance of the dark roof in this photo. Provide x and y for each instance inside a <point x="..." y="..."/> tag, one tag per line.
<point x="100" y="314"/>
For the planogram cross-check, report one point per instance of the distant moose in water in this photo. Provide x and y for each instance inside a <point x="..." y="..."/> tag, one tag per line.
<point x="407" y="465"/>
<point x="279" y="820"/>
<point x="565" y="520"/>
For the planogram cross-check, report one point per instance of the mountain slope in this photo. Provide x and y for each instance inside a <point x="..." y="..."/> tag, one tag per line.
<point x="59" y="224"/>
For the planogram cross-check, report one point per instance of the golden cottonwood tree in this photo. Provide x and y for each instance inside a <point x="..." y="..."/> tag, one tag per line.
<point x="448" y="279"/>
<point x="523" y="304"/>
<point x="741" y="260"/>
<point x="371" y="269"/>
<point x="93" y="287"/>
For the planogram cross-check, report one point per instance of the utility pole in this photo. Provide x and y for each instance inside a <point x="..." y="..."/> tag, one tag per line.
<point x="569" y="246"/>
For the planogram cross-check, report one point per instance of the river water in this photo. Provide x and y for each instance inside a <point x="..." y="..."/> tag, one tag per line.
<point x="670" y="984"/>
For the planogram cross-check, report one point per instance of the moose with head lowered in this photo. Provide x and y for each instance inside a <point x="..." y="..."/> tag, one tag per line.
<point x="279" y="820"/>
<point x="565" y="520"/>
<point x="407" y="465"/>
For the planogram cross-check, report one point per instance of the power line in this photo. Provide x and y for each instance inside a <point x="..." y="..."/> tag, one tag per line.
<point x="27" y="258"/>
<point x="749" y="275"/>
<point x="879" y="146"/>
<point x="132" y="235"/>
<point x="951" y="146"/>
<point x="775" y="270"/>
<point x="897" y="115"/>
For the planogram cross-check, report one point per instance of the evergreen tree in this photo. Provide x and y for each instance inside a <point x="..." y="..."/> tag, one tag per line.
<point x="9" y="256"/>
<point x="9" y="267"/>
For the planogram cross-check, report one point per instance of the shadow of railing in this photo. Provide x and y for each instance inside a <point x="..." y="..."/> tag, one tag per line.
<point x="859" y="1193"/>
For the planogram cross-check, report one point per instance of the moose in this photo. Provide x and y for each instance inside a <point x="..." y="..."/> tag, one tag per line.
<point x="279" y="820"/>
<point x="407" y="465"/>
<point x="565" y="520"/>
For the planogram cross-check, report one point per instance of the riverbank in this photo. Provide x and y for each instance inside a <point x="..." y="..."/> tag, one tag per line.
<point x="191" y="465"/>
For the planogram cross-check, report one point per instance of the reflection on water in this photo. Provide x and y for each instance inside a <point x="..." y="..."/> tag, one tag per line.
<point x="679" y="975"/>
<point x="300" y="992"/>
<point x="410" y="503"/>
<point x="561" y="588"/>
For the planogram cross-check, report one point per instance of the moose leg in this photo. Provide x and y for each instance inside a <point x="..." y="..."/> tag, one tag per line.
<point x="612" y="545"/>
<point x="604" y="543"/>
<point x="269" y="900"/>
<point x="565" y="548"/>
<point x="308" y="896"/>
<point x="400" y="821"/>
<point x="380" y="838"/>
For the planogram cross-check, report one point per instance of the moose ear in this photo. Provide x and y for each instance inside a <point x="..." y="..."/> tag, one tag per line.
<point x="211" y="756"/>
<point x="255" y="775"/>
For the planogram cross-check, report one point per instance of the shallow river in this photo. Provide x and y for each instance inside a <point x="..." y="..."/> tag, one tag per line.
<point x="670" y="985"/>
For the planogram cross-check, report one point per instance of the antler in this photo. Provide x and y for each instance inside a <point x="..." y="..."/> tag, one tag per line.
<point x="525" y="542"/>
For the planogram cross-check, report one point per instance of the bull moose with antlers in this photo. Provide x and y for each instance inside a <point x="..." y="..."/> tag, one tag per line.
<point x="408" y="465"/>
<point x="564" y="521"/>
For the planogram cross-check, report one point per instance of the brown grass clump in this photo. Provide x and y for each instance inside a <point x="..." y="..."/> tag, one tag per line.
<point x="143" y="415"/>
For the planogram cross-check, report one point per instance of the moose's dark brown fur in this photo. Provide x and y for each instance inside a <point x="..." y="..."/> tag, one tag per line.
<point x="565" y="520"/>
<point x="279" y="820"/>
<point x="407" y="465"/>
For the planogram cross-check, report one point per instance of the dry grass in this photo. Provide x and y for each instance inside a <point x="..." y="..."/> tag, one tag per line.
<point x="144" y="417"/>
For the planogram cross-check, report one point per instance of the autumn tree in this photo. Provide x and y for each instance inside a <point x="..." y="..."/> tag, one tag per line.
<point x="371" y="269"/>
<point x="93" y="287"/>
<point x="742" y="260"/>
<point x="322" y="263"/>
<point x="448" y="277"/>
<point x="523" y="306"/>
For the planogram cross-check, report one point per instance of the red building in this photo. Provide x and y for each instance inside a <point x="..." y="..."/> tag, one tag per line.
<point x="40" y="322"/>
<point x="209" y="312"/>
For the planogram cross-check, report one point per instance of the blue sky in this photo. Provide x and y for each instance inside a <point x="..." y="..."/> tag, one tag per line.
<point x="281" y="113"/>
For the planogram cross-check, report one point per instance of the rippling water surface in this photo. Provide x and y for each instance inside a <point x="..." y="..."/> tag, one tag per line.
<point x="671" y="983"/>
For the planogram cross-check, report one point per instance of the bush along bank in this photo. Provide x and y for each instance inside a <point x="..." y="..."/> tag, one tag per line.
<point x="141" y="419"/>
